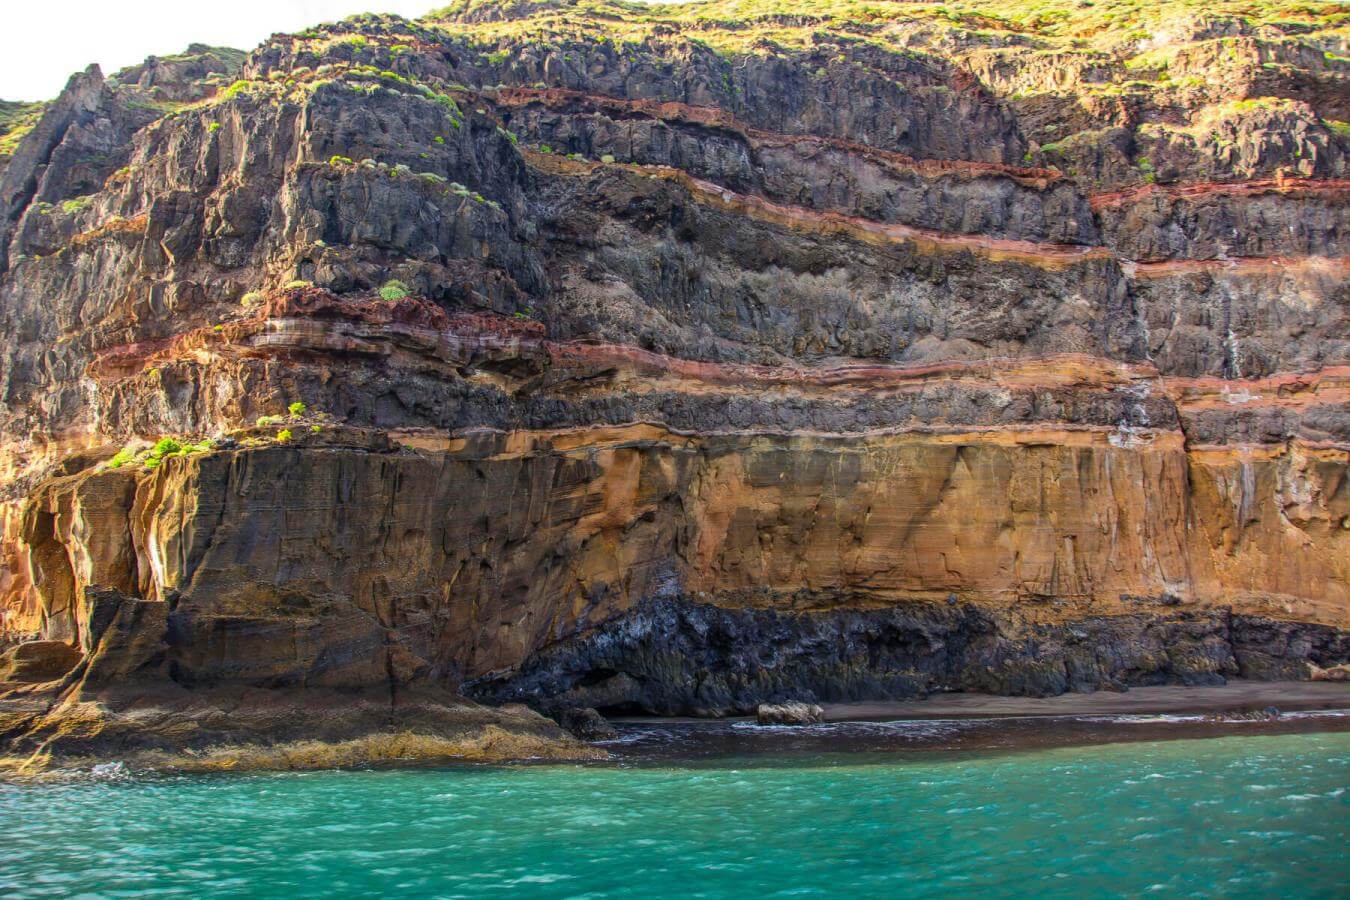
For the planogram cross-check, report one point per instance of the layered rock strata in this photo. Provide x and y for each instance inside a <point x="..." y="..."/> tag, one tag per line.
<point x="672" y="362"/>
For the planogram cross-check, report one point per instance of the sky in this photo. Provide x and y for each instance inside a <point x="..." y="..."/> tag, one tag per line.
<point x="42" y="43"/>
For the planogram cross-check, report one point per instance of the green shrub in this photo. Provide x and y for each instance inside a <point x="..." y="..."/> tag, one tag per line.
<point x="121" y="458"/>
<point x="298" y="283"/>
<point x="165" y="447"/>
<point x="296" y="409"/>
<point x="266" y="421"/>
<point x="336" y="160"/>
<point x="214" y="126"/>
<point x="393" y="290"/>
<point x="284" y="435"/>
<point x="251" y="299"/>
<point x="237" y="88"/>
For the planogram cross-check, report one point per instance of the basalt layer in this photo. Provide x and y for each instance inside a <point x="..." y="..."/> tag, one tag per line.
<point x="673" y="359"/>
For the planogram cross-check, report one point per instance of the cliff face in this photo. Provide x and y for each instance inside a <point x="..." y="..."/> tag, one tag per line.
<point x="681" y="358"/>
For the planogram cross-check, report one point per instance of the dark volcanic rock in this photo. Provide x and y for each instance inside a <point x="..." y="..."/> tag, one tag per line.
<point x="679" y="658"/>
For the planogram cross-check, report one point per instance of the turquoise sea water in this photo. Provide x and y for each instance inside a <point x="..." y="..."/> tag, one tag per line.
<point x="1254" y="816"/>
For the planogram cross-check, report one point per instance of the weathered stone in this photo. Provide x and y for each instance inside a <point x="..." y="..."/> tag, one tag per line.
<point x="1330" y="673"/>
<point x="37" y="661"/>
<point x="790" y="713"/>
<point x="584" y="722"/>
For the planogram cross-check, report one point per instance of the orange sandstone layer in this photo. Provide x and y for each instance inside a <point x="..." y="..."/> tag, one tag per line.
<point x="1051" y="525"/>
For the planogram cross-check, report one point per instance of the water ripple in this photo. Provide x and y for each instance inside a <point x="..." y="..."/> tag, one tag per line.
<point x="1249" y="816"/>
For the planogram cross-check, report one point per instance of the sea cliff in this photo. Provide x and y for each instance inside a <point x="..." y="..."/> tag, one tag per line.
<point x="670" y="359"/>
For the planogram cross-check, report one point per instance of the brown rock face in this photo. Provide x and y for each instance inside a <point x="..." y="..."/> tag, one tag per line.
<point x="424" y="358"/>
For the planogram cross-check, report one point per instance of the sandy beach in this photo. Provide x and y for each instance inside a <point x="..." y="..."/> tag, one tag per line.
<point x="1236" y="695"/>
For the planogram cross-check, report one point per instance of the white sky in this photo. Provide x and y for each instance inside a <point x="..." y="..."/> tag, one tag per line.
<point x="42" y="43"/>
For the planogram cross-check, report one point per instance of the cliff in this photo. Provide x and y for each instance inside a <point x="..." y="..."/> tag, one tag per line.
<point x="672" y="359"/>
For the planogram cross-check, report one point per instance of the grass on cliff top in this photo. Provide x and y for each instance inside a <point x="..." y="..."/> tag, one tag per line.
<point x="735" y="25"/>
<point x="16" y="120"/>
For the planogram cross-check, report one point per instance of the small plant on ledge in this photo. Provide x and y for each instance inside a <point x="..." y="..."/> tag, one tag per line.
<point x="393" y="290"/>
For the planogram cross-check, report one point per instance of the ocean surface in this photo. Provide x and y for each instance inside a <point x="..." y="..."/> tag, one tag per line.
<point x="1264" y="815"/>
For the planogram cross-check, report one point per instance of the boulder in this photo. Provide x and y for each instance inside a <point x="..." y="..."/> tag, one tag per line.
<point x="585" y="723"/>
<point x="36" y="661"/>
<point x="1331" y="673"/>
<point x="790" y="713"/>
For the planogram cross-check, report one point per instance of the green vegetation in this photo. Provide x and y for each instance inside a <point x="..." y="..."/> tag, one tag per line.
<point x="284" y="435"/>
<point x="214" y="126"/>
<point x="296" y="409"/>
<point x="16" y="120"/>
<point x="151" y="457"/>
<point x="164" y="447"/>
<point x="121" y="458"/>
<point x="297" y="284"/>
<point x="393" y="290"/>
<point x="251" y="299"/>
<point x="736" y="25"/>
<point x="237" y="88"/>
<point x="268" y="421"/>
<point x="336" y="160"/>
<point x="1130" y="34"/>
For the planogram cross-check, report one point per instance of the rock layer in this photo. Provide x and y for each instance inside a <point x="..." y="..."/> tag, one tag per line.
<point x="674" y="361"/>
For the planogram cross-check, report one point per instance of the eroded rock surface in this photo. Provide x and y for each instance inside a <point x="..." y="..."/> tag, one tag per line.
<point x="673" y="362"/>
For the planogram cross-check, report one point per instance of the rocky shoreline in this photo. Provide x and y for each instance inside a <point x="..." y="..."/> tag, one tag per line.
<point x="154" y="727"/>
<point x="678" y="658"/>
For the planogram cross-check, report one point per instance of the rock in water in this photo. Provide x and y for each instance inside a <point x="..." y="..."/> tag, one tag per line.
<point x="1265" y="714"/>
<point x="585" y="723"/>
<point x="791" y="713"/>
